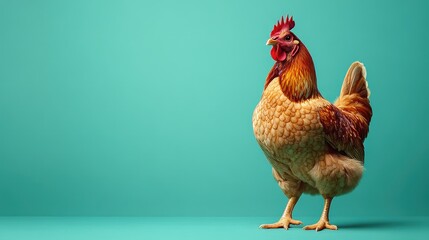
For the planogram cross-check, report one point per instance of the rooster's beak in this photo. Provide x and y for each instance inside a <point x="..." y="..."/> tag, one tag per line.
<point x="271" y="42"/>
<point x="274" y="42"/>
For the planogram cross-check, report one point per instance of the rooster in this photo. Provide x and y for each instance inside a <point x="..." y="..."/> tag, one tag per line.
<point x="314" y="146"/>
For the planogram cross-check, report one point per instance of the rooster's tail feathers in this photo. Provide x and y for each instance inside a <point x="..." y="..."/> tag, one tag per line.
<point x="354" y="96"/>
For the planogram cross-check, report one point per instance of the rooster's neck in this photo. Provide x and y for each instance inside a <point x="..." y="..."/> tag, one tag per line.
<point x="297" y="77"/>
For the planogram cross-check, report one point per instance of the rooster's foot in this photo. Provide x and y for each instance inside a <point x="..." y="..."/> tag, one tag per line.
<point x="284" y="222"/>
<point x="322" y="224"/>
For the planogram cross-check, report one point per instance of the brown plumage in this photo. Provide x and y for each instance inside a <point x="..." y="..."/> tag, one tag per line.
<point x="314" y="146"/>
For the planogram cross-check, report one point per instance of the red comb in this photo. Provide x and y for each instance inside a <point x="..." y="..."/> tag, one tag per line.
<point x="286" y="24"/>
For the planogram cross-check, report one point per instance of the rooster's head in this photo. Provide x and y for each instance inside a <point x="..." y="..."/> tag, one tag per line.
<point x="285" y="43"/>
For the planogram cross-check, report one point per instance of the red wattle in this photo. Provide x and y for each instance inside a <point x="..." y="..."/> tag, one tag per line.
<point x="278" y="54"/>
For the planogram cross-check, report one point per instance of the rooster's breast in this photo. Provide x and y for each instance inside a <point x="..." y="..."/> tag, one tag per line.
<point x="289" y="133"/>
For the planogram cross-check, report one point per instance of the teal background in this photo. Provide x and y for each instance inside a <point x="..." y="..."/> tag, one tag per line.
<point x="138" y="108"/>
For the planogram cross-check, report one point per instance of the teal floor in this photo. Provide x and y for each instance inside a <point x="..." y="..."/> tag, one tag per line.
<point x="123" y="228"/>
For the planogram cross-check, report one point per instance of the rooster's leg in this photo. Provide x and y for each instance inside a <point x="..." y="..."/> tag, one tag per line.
<point x="286" y="218"/>
<point x="324" y="219"/>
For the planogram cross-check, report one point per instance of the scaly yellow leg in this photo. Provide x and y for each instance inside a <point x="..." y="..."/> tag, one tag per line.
<point x="324" y="219"/>
<point x="286" y="218"/>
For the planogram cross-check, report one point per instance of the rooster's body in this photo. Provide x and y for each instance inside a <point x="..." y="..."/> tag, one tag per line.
<point x="313" y="145"/>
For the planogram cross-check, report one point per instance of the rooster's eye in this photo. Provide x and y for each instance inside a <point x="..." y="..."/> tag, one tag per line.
<point x="287" y="37"/>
